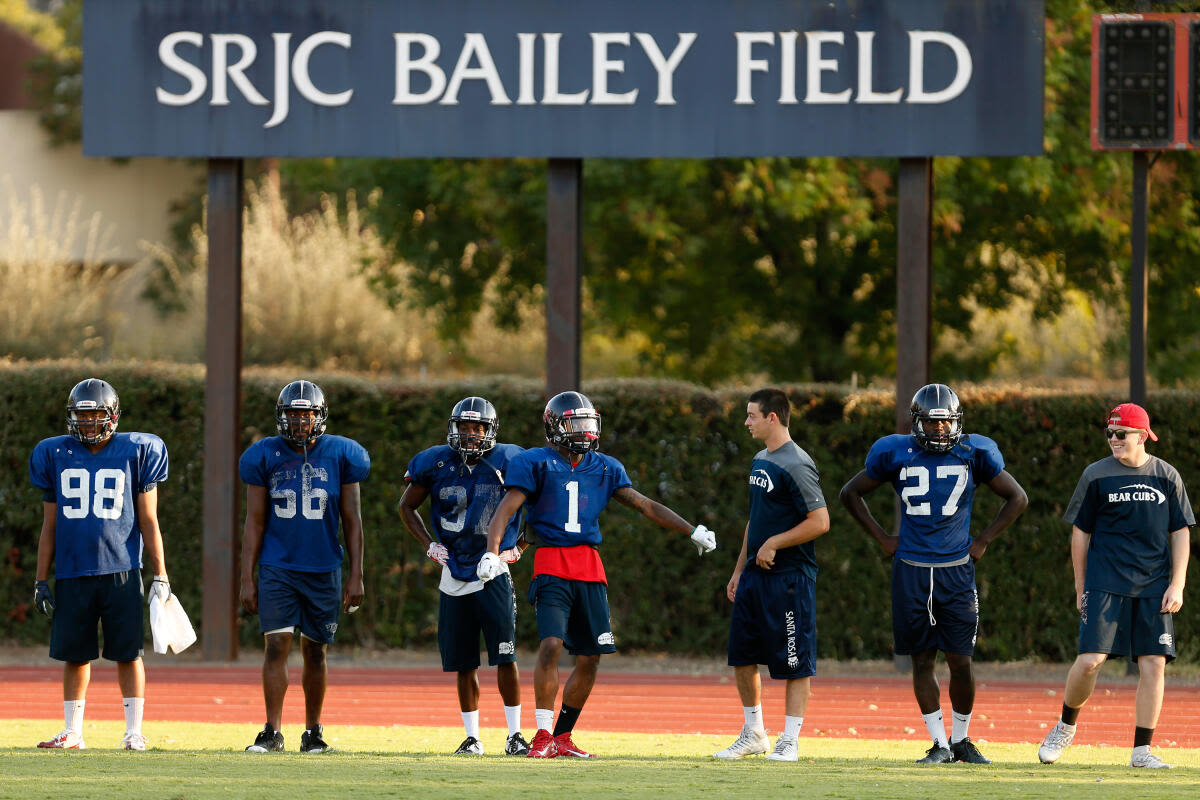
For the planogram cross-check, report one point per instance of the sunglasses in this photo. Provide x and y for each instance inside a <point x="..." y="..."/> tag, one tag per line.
<point x="1111" y="432"/>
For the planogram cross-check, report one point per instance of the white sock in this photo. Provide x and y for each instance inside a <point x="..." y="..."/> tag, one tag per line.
<point x="959" y="726"/>
<point x="471" y="722"/>
<point x="512" y="715"/>
<point x="73" y="715"/>
<point x="545" y="719"/>
<point x="936" y="727"/>
<point x="133" y="713"/>
<point x="754" y="717"/>
<point x="792" y="725"/>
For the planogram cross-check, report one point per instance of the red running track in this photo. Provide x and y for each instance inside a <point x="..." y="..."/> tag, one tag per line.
<point x="869" y="708"/>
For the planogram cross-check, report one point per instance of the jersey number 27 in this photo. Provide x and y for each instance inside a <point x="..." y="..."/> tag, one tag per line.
<point x="911" y="494"/>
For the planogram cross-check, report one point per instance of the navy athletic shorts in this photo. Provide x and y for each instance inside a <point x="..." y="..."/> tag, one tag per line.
<point x="774" y="622"/>
<point x="1125" y="626"/>
<point x="574" y="611"/>
<point x="491" y="611"/>
<point x="115" y="601"/>
<point x="934" y="608"/>
<point x="310" y="601"/>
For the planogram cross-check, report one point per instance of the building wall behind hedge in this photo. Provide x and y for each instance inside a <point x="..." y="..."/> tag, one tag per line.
<point x="682" y="445"/>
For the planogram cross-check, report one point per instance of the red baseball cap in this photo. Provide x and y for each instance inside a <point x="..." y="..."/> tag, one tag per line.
<point x="1131" y="415"/>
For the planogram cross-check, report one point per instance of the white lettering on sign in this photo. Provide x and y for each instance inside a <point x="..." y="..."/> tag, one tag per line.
<point x="224" y="73"/>
<point x="821" y="62"/>
<point x="421" y="78"/>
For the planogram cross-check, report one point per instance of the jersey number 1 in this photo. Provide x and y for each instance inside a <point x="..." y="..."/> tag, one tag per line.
<point x="572" y="525"/>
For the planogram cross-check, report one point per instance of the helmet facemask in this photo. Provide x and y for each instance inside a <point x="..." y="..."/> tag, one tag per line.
<point x="578" y="432"/>
<point x="926" y="430"/>
<point x="99" y="402"/>
<point x="95" y="430"/>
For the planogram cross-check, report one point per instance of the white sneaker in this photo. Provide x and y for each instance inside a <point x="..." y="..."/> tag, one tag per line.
<point x="1055" y="742"/>
<point x="133" y="741"/>
<point x="786" y="749"/>
<point x="1142" y="757"/>
<point x="750" y="742"/>
<point x="67" y="740"/>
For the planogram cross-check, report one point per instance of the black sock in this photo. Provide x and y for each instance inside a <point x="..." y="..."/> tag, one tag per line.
<point x="1142" y="736"/>
<point x="1070" y="715"/>
<point x="566" y="720"/>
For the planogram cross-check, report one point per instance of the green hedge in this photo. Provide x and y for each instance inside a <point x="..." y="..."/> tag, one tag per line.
<point x="682" y="445"/>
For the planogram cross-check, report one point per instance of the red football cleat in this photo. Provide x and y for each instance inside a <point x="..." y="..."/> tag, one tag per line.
<point x="568" y="748"/>
<point x="542" y="746"/>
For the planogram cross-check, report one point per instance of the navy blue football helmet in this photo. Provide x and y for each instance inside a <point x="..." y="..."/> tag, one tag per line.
<point x="934" y="403"/>
<point x="93" y="394"/>
<point x="572" y="422"/>
<point x="472" y="409"/>
<point x="301" y="396"/>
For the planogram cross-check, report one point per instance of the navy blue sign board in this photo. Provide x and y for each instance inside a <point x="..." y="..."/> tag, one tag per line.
<point x="546" y="78"/>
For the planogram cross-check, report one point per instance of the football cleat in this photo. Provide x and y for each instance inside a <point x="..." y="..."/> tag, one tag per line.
<point x="470" y="747"/>
<point x="67" y="740"/>
<point x="1143" y="758"/>
<point x="133" y="741"/>
<point x="1057" y="740"/>
<point x="542" y="746"/>
<point x="937" y="755"/>
<point x="786" y="749"/>
<point x="268" y="740"/>
<point x="750" y="742"/>
<point x="311" y="740"/>
<point x="966" y="752"/>
<point x="516" y="745"/>
<point x="568" y="748"/>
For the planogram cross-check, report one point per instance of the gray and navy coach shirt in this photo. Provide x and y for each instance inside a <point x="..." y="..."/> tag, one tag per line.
<point x="1130" y="513"/>
<point x="784" y="488"/>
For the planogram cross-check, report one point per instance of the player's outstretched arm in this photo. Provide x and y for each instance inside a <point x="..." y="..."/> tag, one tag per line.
<point x="1015" y="502"/>
<point x="704" y="539"/>
<point x="352" y="528"/>
<point x="852" y="498"/>
<point x="252" y="539"/>
<point x="510" y="504"/>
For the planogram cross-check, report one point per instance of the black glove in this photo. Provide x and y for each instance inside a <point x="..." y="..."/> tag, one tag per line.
<point x="42" y="598"/>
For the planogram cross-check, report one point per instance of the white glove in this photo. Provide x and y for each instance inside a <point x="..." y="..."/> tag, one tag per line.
<point x="438" y="552"/>
<point x="704" y="539"/>
<point x="489" y="567"/>
<point x="510" y="556"/>
<point x="160" y="588"/>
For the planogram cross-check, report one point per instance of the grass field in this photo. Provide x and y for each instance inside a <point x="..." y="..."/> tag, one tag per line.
<point x="195" y="761"/>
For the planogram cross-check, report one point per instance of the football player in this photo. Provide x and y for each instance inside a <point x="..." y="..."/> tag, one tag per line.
<point x="564" y="486"/>
<point x="300" y="486"/>
<point x="1130" y="541"/>
<point x="464" y="480"/>
<point x="99" y="516"/>
<point x="774" y="584"/>
<point x="935" y="605"/>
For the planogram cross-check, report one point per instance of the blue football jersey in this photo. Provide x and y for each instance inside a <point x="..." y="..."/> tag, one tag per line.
<point x="96" y="532"/>
<point x="462" y="501"/>
<point x="304" y="504"/>
<point x="936" y="492"/>
<point x="784" y="488"/>
<point x="564" y="503"/>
